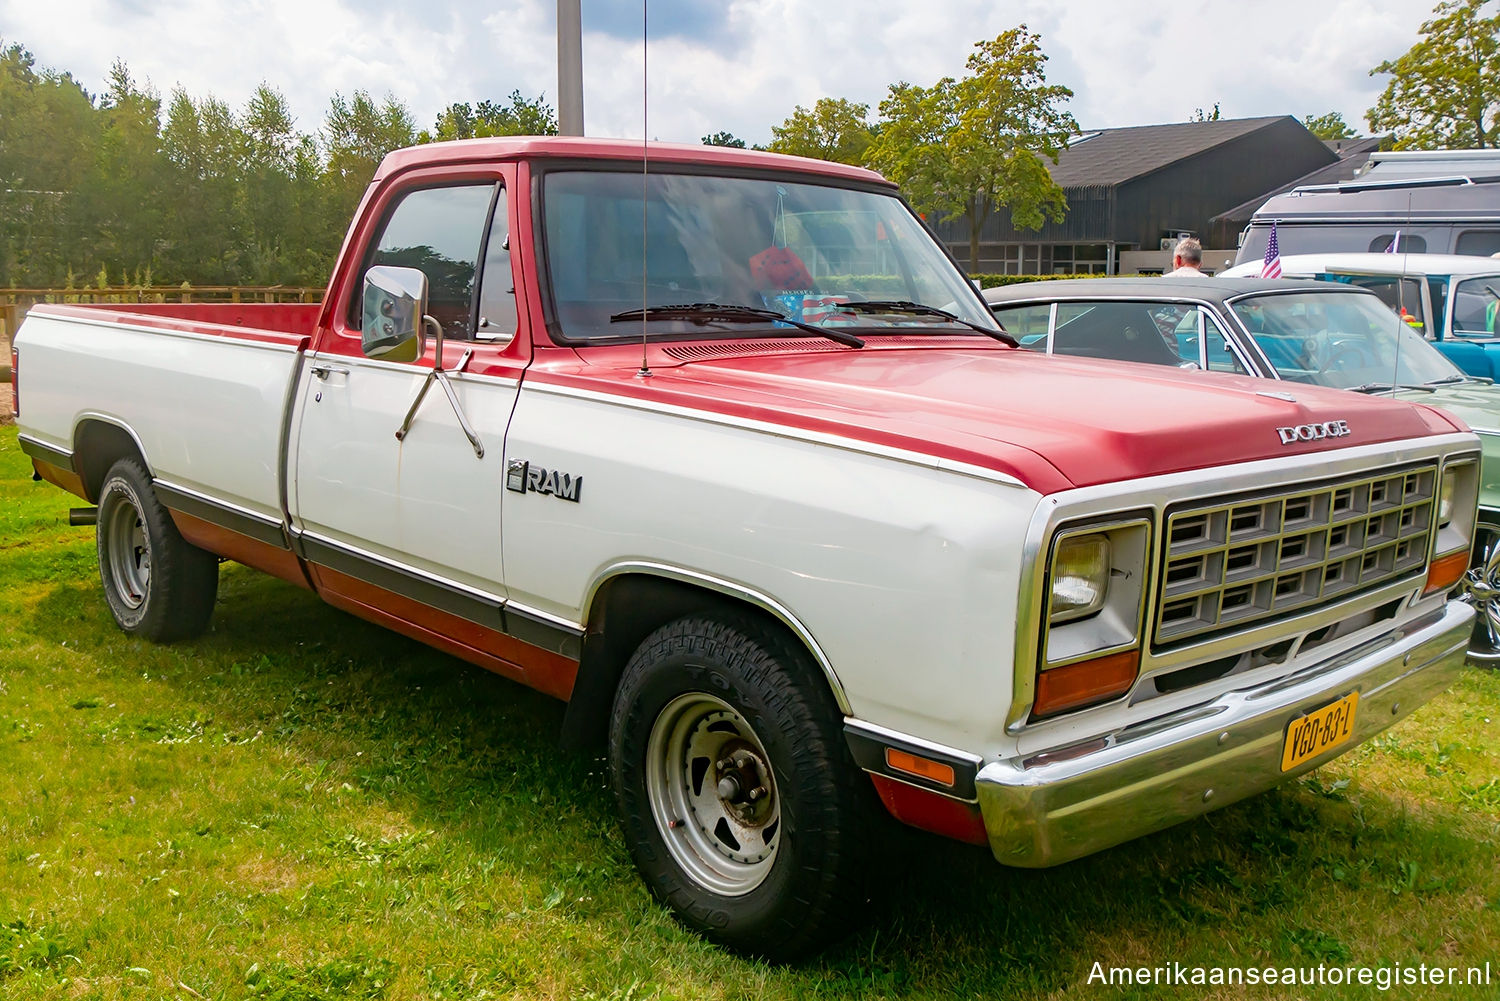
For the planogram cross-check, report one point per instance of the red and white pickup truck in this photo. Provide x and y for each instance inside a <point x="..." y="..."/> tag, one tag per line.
<point x="726" y="452"/>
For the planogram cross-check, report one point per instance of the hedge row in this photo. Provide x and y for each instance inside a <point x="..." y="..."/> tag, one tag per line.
<point x="991" y="281"/>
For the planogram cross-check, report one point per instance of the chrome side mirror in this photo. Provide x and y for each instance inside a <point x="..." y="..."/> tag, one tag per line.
<point x="392" y="311"/>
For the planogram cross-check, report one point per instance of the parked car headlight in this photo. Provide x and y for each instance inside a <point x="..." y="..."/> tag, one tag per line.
<point x="1080" y="577"/>
<point x="1089" y="643"/>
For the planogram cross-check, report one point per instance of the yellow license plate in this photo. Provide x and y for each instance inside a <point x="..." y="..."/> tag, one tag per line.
<point x="1309" y="736"/>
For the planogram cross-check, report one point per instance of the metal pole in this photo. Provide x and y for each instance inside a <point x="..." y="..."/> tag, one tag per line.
<point x="569" y="68"/>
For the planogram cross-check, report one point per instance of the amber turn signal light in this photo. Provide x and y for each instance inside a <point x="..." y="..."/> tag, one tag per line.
<point x="922" y="768"/>
<point x="1445" y="571"/>
<point x="1088" y="681"/>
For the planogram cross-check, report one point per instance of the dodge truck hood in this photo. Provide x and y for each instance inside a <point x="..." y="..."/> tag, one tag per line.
<point x="1091" y="422"/>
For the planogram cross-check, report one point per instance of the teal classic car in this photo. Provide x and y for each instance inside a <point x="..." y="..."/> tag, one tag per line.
<point x="1294" y="331"/>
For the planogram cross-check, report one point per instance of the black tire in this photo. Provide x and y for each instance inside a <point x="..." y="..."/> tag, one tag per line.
<point x="158" y="585"/>
<point x="775" y="876"/>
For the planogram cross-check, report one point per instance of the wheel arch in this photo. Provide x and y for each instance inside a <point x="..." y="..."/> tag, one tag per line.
<point x="629" y="601"/>
<point x="98" y="443"/>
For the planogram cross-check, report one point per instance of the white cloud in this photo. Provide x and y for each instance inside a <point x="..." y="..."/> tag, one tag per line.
<point x="1127" y="63"/>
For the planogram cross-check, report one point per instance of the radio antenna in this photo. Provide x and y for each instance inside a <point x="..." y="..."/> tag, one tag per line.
<point x="645" y="370"/>
<point x="1401" y="297"/>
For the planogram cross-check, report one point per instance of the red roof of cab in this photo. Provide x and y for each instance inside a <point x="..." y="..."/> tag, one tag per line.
<point x="574" y="147"/>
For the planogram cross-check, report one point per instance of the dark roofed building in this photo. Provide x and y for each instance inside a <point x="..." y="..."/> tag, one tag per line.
<point x="1132" y="188"/>
<point x="1224" y="229"/>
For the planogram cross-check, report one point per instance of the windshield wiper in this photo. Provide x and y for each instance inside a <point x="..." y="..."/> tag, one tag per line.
<point x="719" y="312"/>
<point x="1449" y="380"/>
<point x="1386" y="387"/>
<point x="918" y="309"/>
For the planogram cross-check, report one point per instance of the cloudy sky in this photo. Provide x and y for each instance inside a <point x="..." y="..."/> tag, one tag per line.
<point x="739" y="65"/>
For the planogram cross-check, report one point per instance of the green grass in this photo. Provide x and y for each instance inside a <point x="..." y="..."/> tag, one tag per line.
<point x="302" y="806"/>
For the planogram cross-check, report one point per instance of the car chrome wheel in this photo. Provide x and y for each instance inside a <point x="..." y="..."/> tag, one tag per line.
<point x="712" y="794"/>
<point x="129" y="555"/>
<point x="1481" y="588"/>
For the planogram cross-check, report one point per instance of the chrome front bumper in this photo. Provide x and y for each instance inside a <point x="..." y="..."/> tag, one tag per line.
<point x="1071" y="801"/>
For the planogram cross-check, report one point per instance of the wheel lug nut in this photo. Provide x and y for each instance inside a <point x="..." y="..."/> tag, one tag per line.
<point x="757" y="792"/>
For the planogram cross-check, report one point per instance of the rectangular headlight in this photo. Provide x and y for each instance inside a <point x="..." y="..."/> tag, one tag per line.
<point x="1080" y="577"/>
<point x="1445" y="496"/>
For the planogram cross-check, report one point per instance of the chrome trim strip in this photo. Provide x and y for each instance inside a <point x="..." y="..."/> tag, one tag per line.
<point x="740" y="591"/>
<point x="183" y="334"/>
<point x="43" y="452"/>
<point x="446" y="583"/>
<point x="1082" y="796"/>
<point x="474" y="604"/>
<point x="94" y="415"/>
<point x="886" y="735"/>
<point x="222" y="513"/>
<point x="373" y="364"/>
<point x="780" y="431"/>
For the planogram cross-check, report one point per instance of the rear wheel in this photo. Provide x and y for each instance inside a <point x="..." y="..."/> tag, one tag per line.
<point x="741" y="805"/>
<point x="1481" y="588"/>
<point x="157" y="584"/>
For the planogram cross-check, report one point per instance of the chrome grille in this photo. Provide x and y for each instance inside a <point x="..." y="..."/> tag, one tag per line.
<point x="1235" y="561"/>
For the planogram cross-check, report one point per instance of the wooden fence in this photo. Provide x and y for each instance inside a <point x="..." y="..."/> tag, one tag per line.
<point x="14" y="302"/>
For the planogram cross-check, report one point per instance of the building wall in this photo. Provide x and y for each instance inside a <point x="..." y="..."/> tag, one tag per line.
<point x="1185" y="195"/>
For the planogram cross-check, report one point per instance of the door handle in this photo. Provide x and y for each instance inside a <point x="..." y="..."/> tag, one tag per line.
<point x="323" y="371"/>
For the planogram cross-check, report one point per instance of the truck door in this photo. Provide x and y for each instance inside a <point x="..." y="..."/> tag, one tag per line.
<point x="387" y="522"/>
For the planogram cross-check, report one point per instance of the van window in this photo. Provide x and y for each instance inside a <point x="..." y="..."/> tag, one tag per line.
<point x="1478" y="242"/>
<point x="1410" y="244"/>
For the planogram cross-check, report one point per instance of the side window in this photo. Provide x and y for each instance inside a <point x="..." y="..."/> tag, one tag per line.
<point x="497" y="284"/>
<point x="1027" y="324"/>
<point x="437" y="231"/>
<point x="1409" y="244"/>
<point x="1478" y="242"/>
<point x="1126" y="331"/>
<point x="1402" y="295"/>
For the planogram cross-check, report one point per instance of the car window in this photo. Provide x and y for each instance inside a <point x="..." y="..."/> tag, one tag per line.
<point x="437" y="231"/>
<point x="1410" y="244"/>
<point x="1027" y="323"/>
<point x="1126" y="331"/>
<point x="1339" y="340"/>
<point x="1478" y="242"/>
<point x="1475" y="301"/>
<point x="1403" y="296"/>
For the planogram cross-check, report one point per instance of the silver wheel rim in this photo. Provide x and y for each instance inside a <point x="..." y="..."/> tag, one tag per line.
<point x="1480" y="587"/>
<point x="129" y="554"/>
<point x="712" y="794"/>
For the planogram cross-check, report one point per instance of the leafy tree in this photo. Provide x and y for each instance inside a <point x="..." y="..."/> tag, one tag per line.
<point x="1444" y="93"/>
<point x="963" y="147"/>
<point x="1329" y="126"/>
<point x="48" y="143"/>
<point x="834" y="129"/>
<point x="357" y="134"/>
<point x="724" y="139"/>
<point x="520" y="117"/>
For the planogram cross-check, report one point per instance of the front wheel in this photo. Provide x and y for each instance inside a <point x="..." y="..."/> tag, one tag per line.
<point x="158" y="585"/>
<point x="1481" y="588"/>
<point x="739" y="800"/>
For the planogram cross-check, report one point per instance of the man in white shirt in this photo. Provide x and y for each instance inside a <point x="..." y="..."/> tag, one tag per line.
<point x="1186" y="258"/>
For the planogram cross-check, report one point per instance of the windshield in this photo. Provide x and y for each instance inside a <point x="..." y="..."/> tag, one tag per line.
<point x="1475" y="302"/>
<point x="798" y="249"/>
<point x="1340" y="340"/>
